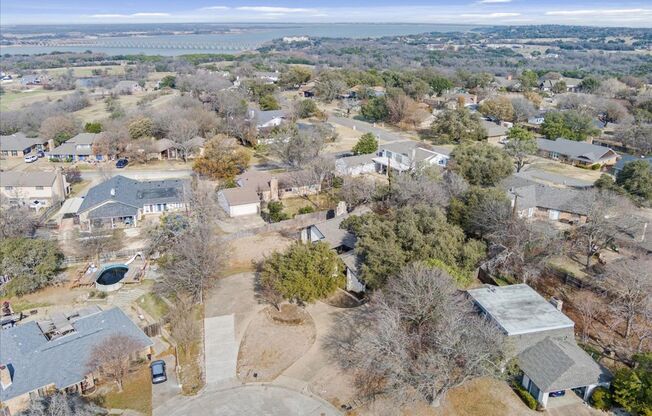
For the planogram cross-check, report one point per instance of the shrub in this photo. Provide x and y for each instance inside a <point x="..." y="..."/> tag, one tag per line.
<point x="275" y="212"/>
<point x="601" y="398"/>
<point x="527" y="398"/>
<point x="306" y="210"/>
<point x="595" y="166"/>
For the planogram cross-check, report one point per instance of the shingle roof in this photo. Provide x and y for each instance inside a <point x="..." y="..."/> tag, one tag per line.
<point x="240" y="196"/>
<point x="134" y="193"/>
<point x="493" y="129"/>
<point x="333" y="235"/>
<point x="36" y="362"/>
<point x="580" y="151"/>
<point x="18" y="141"/>
<point x="69" y="147"/>
<point x="554" y="364"/>
<point x="262" y="117"/>
<point x="113" y="209"/>
<point x="27" y="179"/>
<point x="531" y="194"/>
<point x="350" y="260"/>
<point x="258" y="181"/>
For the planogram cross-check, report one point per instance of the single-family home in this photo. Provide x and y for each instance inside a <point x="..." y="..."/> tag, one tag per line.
<point x="34" y="189"/>
<point x="572" y="84"/>
<point x="122" y="202"/>
<point x="127" y="88"/>
<point x="35" y="79"/>
<point x="538" y="201"/>
<point x="266" y="119"/>
<point x="407" y="155"/>
<point x="577" y="153"/>
<point x="496" y="131"/>
<point x="542" y="340"/>
<point x="238" y="202"/>
<point x="78" y="148"/>
<point x="307" y="90"/>
<point x="362" y="92"/>
<point x="451" y="100"/>
<point x="355" y="165"/>
<point x="625" y="159"/>
<point x="37" y="357"/>
<point x="19" y="145"/>
<point x="167" y="149"/>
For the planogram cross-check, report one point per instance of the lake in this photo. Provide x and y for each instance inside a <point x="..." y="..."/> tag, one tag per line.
<point x="246" y="39"/>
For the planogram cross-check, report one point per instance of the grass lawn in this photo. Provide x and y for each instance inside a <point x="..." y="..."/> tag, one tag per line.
<point x="24" y="305"/>
<point x="13" y="100"/>
<point x="319" y="202"/>
<point x="153" y="305"/>
<point x="76" y="188"/>
<point x="136" y="394"/>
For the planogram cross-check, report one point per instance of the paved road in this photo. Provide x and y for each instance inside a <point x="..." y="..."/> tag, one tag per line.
<point x="93" y="175"/>
<point x="249" y="400"/>
<point x="221" y="349"/>
<point x="365" y="127"/>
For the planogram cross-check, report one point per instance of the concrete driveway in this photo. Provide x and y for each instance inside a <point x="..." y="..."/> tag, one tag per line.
<point x="220" y="348"/>
<point x="163" y="392"/>
<point x="252" y="400"/>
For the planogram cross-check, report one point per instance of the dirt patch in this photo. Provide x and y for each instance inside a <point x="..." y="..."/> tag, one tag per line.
<point x="269" y="346"/>
<point x="246" y="251"/>
<point x="288" y="315"/>
<point x="483" y="397"/>
<point x="342" y="299"/>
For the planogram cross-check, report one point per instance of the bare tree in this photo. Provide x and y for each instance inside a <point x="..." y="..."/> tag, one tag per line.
<point x="182" y="132"/>
<point x="356" y="191"/>
<point x="61" y="404"/>
<point x="185" y="328"/>
<point x="632" y="289"/>
<point x="588" y="307"/>
<point x="15" y="221"/>
<point x="419" y="338"/>
<point x="94" y="243"/>
<point x="608" y="214"/>
<point x="295" y="148"/>
<point x="422" y="185"/>
<point x="112" y="357"/>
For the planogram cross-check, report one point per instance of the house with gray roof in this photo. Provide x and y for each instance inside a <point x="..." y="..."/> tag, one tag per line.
<point x="355" y="165"/>
<point x="538" y="201"/>
<point x="577" y="153"/>
<point x="238" y="202"/>
<point x="266" y="119"/>
<point x="166" y="149"/>
<point x="407" y="155"/>
<point x="34" y="189"/>
<point x="38" y="356"/>
<point x="19" y="145"/>
<point x="541" y="338"/>
<point x="122" y="202"/>
<point x="78" y="148"/>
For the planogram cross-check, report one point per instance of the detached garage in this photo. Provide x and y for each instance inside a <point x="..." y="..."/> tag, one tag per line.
<point x="238" y="202"/>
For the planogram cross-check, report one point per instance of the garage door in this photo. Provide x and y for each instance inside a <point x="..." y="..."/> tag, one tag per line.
<point x="246" y="209"/>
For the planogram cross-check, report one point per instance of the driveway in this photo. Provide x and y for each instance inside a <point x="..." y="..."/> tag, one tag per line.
<point x="365" y="127"/>
<point x="165" y="391"/>
<point x="252" y="400"/>
<point x="221" y="349"/>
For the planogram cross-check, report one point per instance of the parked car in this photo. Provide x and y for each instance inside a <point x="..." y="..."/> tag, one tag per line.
<point x="158" y="372"/>
<point x="31" y="158"/>
<point x="121" y="163"/>
<point x="40" y="154"/>
<point x="560" y="393"/>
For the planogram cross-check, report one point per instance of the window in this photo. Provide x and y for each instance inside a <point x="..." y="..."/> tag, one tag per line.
<point x="14" y="152"/>
<point x="39" y="188"/>
<point x="553" y="215"/>
<point x="9" y="188"/>
<point x="554" y="155"/>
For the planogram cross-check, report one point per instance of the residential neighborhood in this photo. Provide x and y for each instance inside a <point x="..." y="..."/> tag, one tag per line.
<point x="445" y="223"/>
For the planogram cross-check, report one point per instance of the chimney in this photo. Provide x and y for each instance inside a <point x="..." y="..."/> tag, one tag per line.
<point x="341" y="209"/>
<point x="273" y="189"/>
<point x="509" y="77"/>
<point x="557" y="303"/>
<point x="5" y="377"/>
<point x="112" y="192"/>
<point x="51" y="145"/>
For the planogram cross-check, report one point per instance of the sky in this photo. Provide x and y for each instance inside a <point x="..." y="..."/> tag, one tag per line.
<point x="491" y="12"/>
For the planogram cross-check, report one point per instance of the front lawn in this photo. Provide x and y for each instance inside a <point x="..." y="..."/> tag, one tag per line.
<point x="136" y="395"/>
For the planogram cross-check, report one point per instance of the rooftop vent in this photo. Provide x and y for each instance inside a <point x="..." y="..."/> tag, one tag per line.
<point x="112" y="191"/>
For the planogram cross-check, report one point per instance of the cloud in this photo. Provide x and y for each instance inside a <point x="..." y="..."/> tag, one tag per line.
<point x="493" y="1"/>
<point x="127" y="16"/>
<point x="593" y="12"/>
<point x="489" y="15"/>
<point x="271" y="9"/>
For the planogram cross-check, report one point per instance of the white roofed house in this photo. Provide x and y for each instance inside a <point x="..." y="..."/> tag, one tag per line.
<point x="542" y="341"/>
<point x="33" y="189"/>
<point x="408" y="155"/>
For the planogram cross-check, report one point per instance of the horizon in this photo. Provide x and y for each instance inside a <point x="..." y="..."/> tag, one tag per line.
<point x="634" y="14"/>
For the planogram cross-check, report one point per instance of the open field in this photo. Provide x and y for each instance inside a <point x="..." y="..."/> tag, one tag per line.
<point x="87" y="71"/>
<point x="16" y="99"/>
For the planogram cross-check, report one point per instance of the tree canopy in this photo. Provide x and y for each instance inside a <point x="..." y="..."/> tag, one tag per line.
<point x="30" y="263"/>
<point x="457" y="126"/>
<point x="636" y="179"/>
<point x="571" y="124"/>
<point x="481" y="163"/>
<point x="366" y="144"/>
